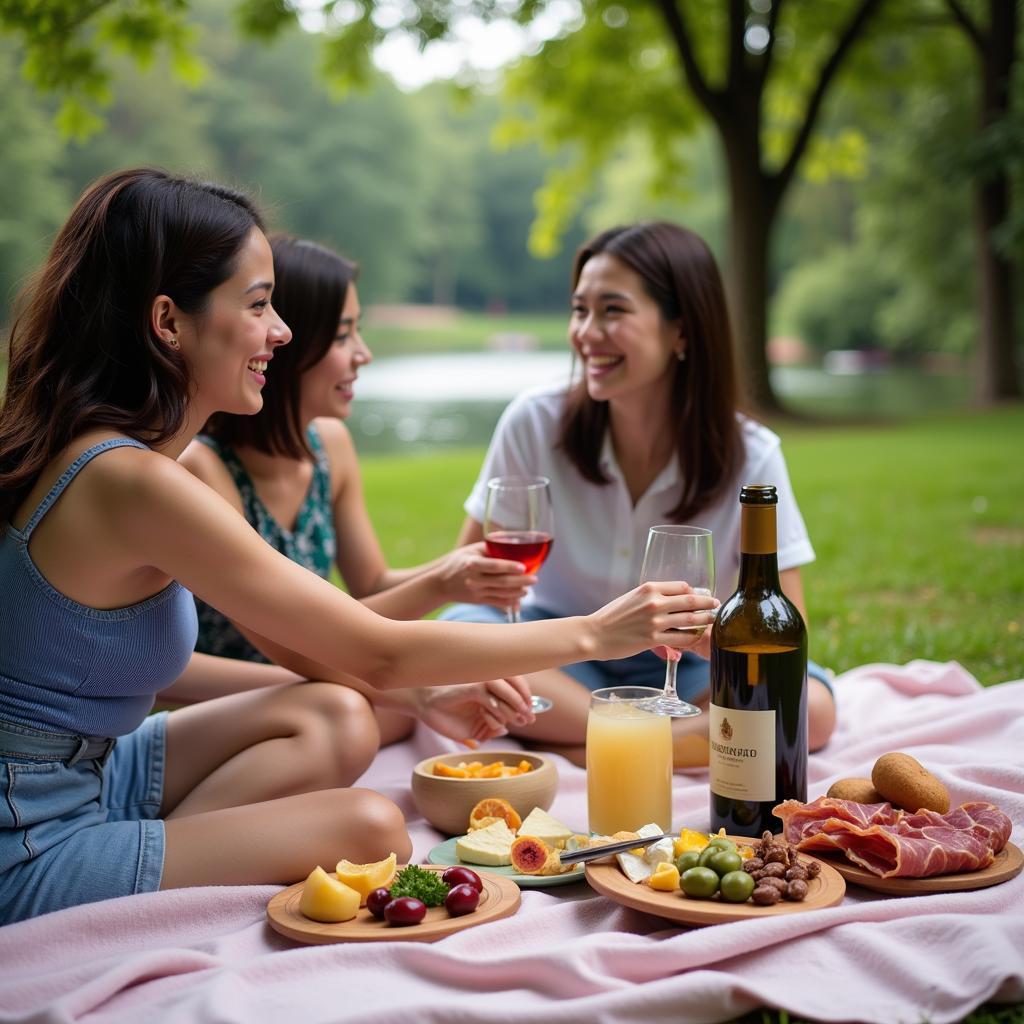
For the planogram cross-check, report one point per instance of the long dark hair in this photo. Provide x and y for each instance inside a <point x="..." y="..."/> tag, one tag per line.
<point x="83" y="353"/>
<point x="311" y="284"/>
<point x="680" y="274"/>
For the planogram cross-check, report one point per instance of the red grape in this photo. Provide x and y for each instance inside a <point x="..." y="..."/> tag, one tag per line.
<point x="462" y="899"/>
<point x="405" y="910"/>
<point x="462" y="876"/>
<point x="377" y="901"/>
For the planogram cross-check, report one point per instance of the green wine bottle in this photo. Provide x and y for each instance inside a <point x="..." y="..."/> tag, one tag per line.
<point x="757" y="720"/>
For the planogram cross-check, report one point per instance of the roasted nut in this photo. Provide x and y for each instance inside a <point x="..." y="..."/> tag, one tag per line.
<point x="766" y="895"/>
<point x="778" y="883"/>
<point x="777" y="855"/>
<point x="796" y="890"/>
<point x="773" y="870"/>
<point x="813" y="869"/>
<point x="795" y="872"/>
<point x="752" y="864"/>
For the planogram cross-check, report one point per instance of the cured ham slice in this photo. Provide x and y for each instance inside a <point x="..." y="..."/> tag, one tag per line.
<point x="894" y="844"/>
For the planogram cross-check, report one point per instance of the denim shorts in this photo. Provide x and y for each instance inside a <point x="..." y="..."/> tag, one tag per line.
<point x="80" y="833"/>
<point x="644" y="669"/>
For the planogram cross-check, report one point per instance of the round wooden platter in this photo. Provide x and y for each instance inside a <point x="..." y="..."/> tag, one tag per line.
<point x="1008" y="864"/>
<point x="500" y="898"/>
<point x="824" y="891"/>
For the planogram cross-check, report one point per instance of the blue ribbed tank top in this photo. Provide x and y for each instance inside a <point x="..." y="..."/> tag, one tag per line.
<point x="67" y="667"/>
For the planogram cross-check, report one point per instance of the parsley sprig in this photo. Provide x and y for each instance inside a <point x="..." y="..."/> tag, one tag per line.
<point x="422" y="884"/>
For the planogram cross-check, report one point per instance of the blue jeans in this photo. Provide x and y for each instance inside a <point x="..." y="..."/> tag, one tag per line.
<point x="72" y="834"/>
<point x="643" y="669"/>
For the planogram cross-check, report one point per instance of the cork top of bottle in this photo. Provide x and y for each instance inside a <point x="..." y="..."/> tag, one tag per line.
<point x="758" y="494"/>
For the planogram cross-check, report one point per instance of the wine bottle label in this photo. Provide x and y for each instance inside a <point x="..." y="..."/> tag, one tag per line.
<point x="742" y="755"/>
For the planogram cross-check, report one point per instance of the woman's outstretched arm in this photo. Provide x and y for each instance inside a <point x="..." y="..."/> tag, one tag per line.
<point x="175" y="523"/>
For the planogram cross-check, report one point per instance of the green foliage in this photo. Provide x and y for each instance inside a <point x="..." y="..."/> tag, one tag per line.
<point x="406" y="184"/>
<point x="611" y="79"/>
<point x="33" y="198"/>
<point x="65" y="44"/>
<point x="833" y="302"/>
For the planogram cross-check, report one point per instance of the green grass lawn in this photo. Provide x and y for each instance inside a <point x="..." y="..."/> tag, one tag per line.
<point x="918" y="528"/>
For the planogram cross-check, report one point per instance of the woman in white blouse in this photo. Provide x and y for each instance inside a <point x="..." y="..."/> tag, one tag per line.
<point x="650" y="434"/>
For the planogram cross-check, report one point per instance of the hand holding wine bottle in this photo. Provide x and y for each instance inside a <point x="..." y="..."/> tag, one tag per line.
<point x="519" y="522"/>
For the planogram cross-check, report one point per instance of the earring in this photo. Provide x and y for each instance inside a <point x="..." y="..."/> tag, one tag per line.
<point x="173" y="341"/>
<point x="681" y="355"/>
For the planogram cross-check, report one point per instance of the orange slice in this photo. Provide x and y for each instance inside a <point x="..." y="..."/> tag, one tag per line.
<point x="495" y="807"/>
<point x="478" y="823"/>
<point x="364" y="878"/>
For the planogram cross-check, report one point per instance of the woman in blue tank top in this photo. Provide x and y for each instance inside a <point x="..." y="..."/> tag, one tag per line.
<point x="292" y="471"/>
<point x="152" y="313"/>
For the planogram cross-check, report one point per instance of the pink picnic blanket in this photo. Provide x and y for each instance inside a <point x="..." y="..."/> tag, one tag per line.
<point x="568" y="954"/>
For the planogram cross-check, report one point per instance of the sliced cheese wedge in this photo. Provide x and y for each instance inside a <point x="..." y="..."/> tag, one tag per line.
<point x="636" y="867"/>
<point x="543" y="826"/>
<point x="491" y="846"/>
<point x="661" y="852"/>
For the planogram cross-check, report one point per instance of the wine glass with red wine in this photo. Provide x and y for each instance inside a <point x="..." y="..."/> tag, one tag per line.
<point x="519" y="522"/>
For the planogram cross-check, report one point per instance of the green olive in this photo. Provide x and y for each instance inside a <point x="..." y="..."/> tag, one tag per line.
<point x="736" y="886"/>
<point x="724" y="861"/>
<point x="686" y="860"/>
<point x="699" y="882"/>
<point x="706" y="854"/>
<point x="721" y="841"/>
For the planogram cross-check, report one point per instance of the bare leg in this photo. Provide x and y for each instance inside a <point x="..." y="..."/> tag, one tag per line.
<point x="256" y="746"/>
<point x="690" y="737"/>
<point x="563" y="729"/>
<point x="821" y="714"/>
<point x="393" y="726"/>
<point x="281" y="841"/>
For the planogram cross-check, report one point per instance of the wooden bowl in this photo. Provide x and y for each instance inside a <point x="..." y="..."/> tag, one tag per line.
<point x="446" y="803"/>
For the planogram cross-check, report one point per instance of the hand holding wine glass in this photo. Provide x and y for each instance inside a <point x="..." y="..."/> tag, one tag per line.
<point x="679" y="553"/>
<point x="519" y="522"/>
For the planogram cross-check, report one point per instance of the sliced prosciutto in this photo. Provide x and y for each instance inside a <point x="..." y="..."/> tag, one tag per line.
<point x="894" y="844"/>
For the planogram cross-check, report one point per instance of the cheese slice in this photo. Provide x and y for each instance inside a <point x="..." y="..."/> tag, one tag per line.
<point x="491" y="846"/>
<point x="543" y="826"/>
<point x="661" y="852"/>
<point x="636" y="867"/>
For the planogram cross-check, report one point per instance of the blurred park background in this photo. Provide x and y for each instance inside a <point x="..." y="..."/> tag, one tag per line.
<point x="857" y="166"/>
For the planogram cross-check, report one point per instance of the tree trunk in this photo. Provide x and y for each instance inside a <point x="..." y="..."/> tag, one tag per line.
<point x="751" y="214"/>
<point x="997" y="375"/>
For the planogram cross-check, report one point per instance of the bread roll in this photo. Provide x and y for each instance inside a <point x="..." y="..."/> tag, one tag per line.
<point x="860" y="791"/>
<point x="905" y="783"/>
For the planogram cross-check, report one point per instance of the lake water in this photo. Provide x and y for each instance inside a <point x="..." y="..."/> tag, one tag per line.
<point x="454" y="400"/>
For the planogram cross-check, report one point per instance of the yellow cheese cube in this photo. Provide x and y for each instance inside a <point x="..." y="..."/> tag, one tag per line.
<point x="326" y="899"/>
<point x="665" y="877"/>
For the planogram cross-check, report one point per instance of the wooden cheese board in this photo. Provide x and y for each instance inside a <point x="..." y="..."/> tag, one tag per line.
<point x="500" y="898"/>
<point x="826" y="890"/>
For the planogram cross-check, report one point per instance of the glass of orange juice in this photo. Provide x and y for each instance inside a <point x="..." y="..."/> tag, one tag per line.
<point x="629" y="762"/>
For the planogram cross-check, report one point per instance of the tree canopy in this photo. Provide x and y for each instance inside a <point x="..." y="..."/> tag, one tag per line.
<point x="639" y="106"/>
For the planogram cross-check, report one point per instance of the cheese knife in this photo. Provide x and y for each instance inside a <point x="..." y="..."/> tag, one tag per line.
<point x="609" y="849"/>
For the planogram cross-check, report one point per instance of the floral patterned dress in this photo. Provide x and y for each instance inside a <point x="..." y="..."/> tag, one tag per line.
<point x="312" y="543"/>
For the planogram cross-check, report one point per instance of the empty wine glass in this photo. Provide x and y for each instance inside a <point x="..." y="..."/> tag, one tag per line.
<point x="678" y="553"/>
<point x="519" y="522"/>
